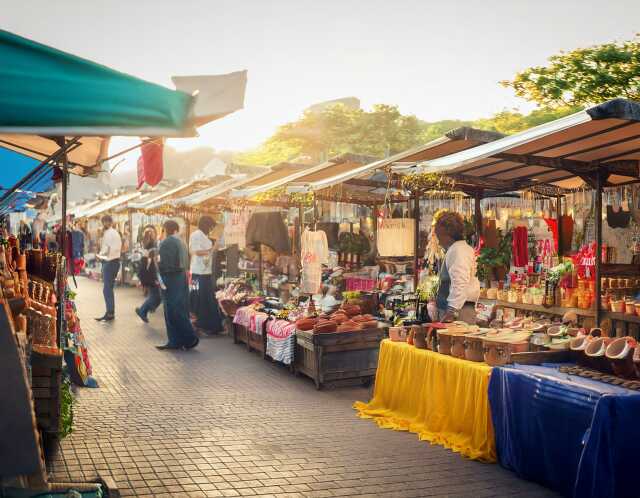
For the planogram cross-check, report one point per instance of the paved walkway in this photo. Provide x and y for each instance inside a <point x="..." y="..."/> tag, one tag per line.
<point x="218" y="421"/>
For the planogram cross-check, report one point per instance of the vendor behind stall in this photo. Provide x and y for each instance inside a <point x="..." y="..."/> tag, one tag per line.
<point x="459" y="287"/>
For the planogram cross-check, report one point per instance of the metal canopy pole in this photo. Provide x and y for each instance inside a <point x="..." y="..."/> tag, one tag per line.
<point x="478" y="214"/>
<point x="598" y="230"/>
<point x="416" y="242"/>
<point x="559" y="221"/>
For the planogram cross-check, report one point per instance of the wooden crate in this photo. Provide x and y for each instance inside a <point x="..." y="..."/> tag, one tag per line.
<point x="46" y="383"/>
<point x="256" y="342"/>
<point x="338" y="357"/>
<point x="240" y="334"/>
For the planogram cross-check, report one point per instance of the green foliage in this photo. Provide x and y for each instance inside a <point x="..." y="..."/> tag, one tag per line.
<point x="338" y="129"/>
<point x="490" y="258"/>
<point x="583" y="77"/>
<point x="66" y="408"/>
<point x="353" y="243"/>
<point x="512" y="121"/>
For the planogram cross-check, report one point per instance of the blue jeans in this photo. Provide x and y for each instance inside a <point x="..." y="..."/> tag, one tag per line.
<point x="109" y="274"/>
<point x="152" y="302"/>
<point x="176" y="310"/>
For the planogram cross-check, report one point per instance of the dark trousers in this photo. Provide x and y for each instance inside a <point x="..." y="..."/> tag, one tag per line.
<point x="176" y="309"/>
<point x="205" y="305"/>
<point x="154" y="298"/>
<point x="109" y="273"/>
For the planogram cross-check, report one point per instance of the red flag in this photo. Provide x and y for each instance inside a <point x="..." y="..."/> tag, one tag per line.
<point x="150" y="165"/>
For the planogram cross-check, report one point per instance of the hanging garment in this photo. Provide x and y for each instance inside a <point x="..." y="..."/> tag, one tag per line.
<point x="566" y="226"/>
<point x="311" y="275"/>
<point x="269" y="229"/>
<point x="315" y="243"/>
<point x="314" y="253"/>
<point x="520" y="243"/>
<point x="552" y="224"/>
<point x="618" y="218"/>
<point x="332" y="232"/>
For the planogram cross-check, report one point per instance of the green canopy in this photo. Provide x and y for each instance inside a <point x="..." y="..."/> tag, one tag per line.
<point x="46" y="92"/>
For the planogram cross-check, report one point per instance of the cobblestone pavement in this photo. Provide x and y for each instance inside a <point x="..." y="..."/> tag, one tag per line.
<point x="218" y="421"/>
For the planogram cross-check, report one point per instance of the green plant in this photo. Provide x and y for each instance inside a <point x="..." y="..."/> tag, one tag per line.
<point x="66" y="408"/>
<point x="491" y="258"/>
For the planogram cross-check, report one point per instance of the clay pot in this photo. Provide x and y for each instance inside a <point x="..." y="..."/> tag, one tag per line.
<point x="497" y="351"/>
<point x="620" y="354"/>
<point x="419" y="337"/>
<point x="594" y="355"/>
<point x="457" y="346"/>
<point x="473" y="348"/>
<point x="398" y="334"/>
<point x="444" y="342"/>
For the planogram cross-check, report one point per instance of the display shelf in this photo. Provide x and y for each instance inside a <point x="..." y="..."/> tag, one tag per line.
<point x="622" y="317"/>
<point x="619" y="270"/>
<point x="554" y="310"/>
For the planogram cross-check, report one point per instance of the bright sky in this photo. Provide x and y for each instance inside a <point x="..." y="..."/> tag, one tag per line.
<point x="435" y="59"/>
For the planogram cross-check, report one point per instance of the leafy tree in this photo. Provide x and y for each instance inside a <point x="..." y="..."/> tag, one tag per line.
<point x="583" y="77"/>
<point x="512" y="121"/>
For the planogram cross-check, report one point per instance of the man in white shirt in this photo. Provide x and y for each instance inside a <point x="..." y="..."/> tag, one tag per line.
<point x="110" y="249"/>
<point x="459" y="287"/>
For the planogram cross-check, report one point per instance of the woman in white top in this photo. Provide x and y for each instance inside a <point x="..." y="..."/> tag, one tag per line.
<point x="204" y="304"/>
<point x="459" y="287"/>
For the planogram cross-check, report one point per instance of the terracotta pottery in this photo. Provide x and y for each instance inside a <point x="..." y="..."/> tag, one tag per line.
<point x="594" y="354"/>
<point x="444" y="342"/>
<point x="636" y="361"/>
<point x="580" y="343"/>
<point x="398" y="334"/>
<point x="419" y="337"/>
<point x="620" y="354"/>
<point x="473" y="347"/>
<point x="499" y="348"/>
<point x="457" y="346"/>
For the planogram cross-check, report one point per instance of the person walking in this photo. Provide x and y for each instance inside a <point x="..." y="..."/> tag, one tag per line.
<point x="148" y="275"/>
<point x="205" y="305"/>
<point x="175" y="290"/>
<point x="110" y="251"/>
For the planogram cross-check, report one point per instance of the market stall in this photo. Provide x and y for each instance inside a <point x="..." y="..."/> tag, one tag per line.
<point x="554" y="283"/>
<point x="59" y="110"/>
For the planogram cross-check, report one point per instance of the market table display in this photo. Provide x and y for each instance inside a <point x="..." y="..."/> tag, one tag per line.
<point x="440" y="398"/>
<point x="574" y="435"/>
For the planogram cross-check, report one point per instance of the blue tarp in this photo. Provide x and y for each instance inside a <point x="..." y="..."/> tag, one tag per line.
<point x="576" y="436"/>
<point x="13" y="168"/>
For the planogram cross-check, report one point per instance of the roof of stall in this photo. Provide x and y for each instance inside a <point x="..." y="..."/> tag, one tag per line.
<point x="149" y="198"/>
<point x="90" y="210"/>
<point x="218" y="190"/>
<point x="368" y="183"/>
<point x="286" y="173"/>
<point x="564" y="153"/>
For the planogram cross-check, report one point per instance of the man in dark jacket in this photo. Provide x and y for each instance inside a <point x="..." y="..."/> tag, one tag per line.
<point x="173" y="264"/>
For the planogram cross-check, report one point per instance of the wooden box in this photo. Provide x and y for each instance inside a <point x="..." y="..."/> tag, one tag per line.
<point x="240" y="334"/>
<point x="46" y="382"/>
<point x="338" y="357"/>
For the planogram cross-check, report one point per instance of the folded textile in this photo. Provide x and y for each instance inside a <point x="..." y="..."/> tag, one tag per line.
<point x="281" y="340"/>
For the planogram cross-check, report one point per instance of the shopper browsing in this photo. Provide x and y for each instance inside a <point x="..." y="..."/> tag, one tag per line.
<point x="148" y="275"/>
<point x="205" y="306"/>
<point x="172" y="266"/>
<point x="110" y="250"/>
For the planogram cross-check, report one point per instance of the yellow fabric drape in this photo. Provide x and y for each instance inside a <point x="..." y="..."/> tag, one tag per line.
<point x="442" y="399"/>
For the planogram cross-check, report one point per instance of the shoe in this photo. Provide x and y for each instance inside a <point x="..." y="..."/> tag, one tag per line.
<point x="142" y="317"/>
<point x="163" y="347"/>
<point x="195" y="342"/>
<point x="105" y="318"/>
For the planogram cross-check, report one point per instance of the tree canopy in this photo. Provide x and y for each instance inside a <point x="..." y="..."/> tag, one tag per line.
<point x="380" y="132"/>
<point x="583" y="77"/>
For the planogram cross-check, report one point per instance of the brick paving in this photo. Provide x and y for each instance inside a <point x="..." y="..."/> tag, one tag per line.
<point x="218" y="421"/>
